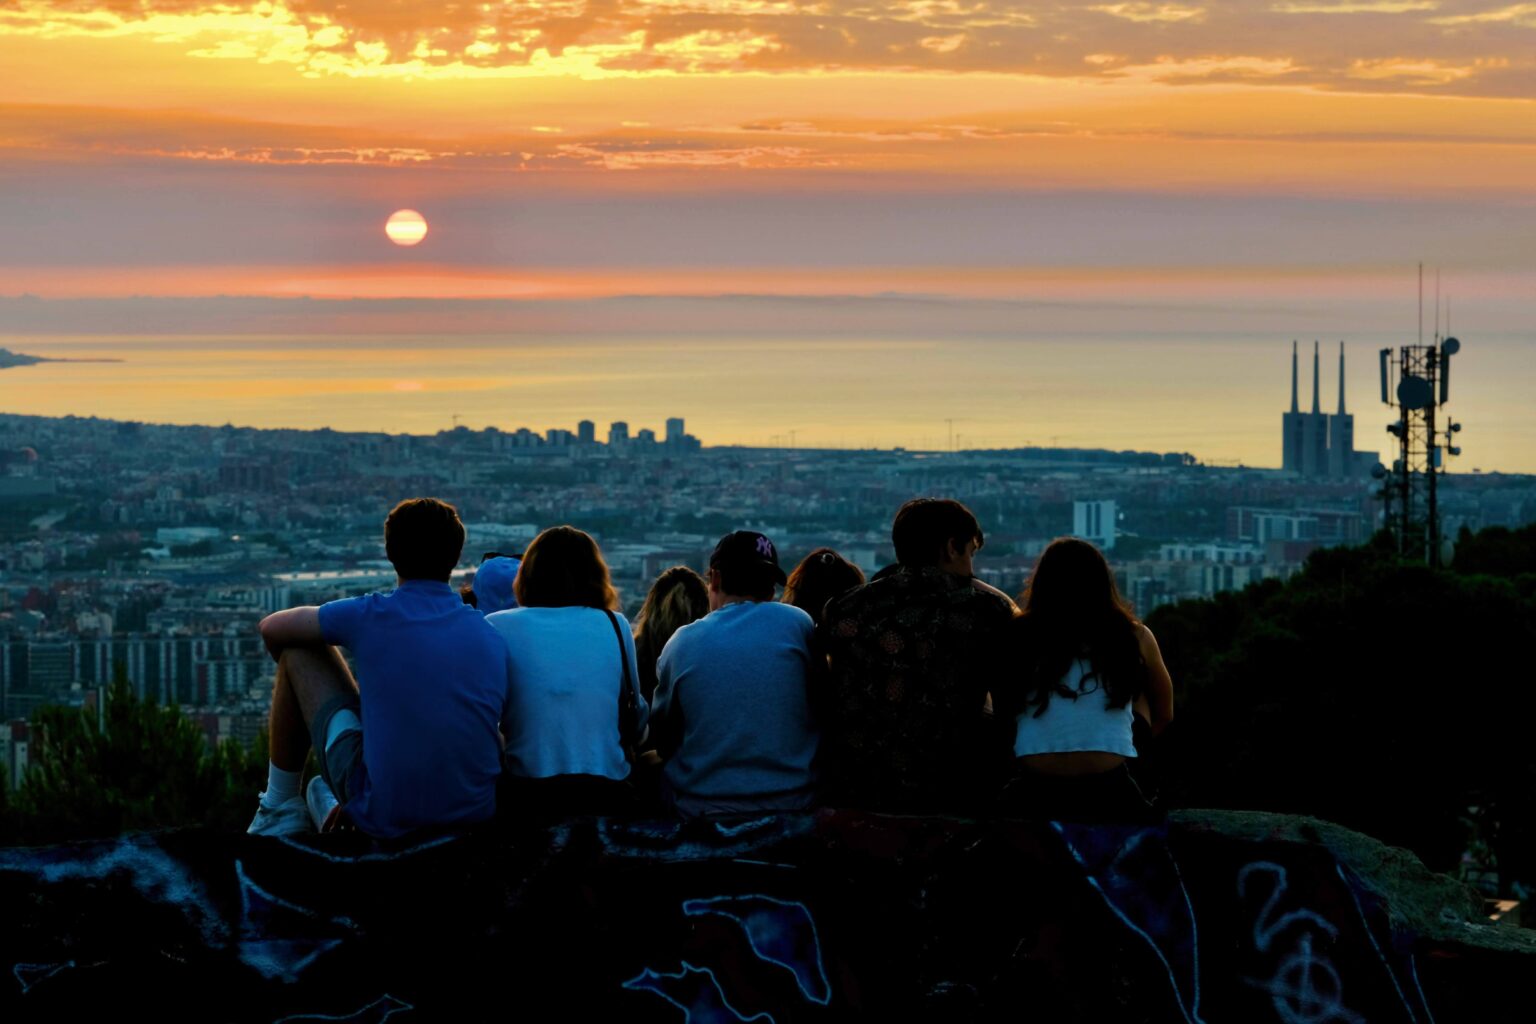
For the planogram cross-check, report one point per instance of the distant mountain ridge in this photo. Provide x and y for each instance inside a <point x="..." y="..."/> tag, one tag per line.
<point x="9" y="359"/>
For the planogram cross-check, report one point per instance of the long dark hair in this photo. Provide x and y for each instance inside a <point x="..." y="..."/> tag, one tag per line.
<point x="821" y="575"/>
<point x="1072" y="609"/>
<point x="564" y="567"/>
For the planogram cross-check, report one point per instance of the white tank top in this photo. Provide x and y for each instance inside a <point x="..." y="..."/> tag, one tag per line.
<point x="1067" y="725"/>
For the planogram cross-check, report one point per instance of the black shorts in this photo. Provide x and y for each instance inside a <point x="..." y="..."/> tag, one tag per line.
<point x="1111" y="796"/>
<point x="339" y="762"/>
<point x="562" y="796"/>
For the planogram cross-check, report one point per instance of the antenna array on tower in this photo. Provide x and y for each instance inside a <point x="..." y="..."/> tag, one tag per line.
<point x="1409" y="489"/>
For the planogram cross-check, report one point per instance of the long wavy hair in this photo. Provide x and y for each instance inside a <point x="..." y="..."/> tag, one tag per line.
<point x="821" y="575"/>
<point x="679" y="596"/>
<point x="1072" y="609"/>
<point x="564" y="567"/>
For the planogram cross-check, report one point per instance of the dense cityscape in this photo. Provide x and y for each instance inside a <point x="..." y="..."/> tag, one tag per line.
<point x="154" y="550"/>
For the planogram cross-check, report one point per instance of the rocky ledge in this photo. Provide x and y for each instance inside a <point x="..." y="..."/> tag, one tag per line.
<point x="835" y="915"/>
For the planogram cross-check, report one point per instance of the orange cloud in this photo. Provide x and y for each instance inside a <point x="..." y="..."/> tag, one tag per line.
<point x="1474" y="47"/>
<point x="1222" y="145"/>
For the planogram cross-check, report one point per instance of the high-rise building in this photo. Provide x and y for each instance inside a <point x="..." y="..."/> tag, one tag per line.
<point x="586" y="432"/>
<point x="189" y="670"/>
<point x="1094" y="521"/>
<point x="618" y="434"/>
<point x="675" y="431"/>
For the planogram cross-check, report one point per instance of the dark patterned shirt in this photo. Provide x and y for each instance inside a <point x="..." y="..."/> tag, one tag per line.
<point x="913" y="655"/>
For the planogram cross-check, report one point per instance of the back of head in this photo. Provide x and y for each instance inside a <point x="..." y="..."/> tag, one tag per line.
<point x="494" y="582"/>
<point x="1072" y="582"/>
<point x="563" y="568"/>
<point x="423" y="538"/>
<point x="821" y="575"/>
<point x="747" y="565"/>
<point x="1071" y="609"/>
<point x="679" y="596"/>
<point x="924" y="526"/>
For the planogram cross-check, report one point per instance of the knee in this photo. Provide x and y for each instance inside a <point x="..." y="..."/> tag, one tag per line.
<point x="297" y="659"/>
<point x="298" y="667"/>
<point x="288" y="662"/>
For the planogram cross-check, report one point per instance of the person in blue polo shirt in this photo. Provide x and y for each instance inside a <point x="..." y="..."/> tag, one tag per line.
<point x="412" y="743"/>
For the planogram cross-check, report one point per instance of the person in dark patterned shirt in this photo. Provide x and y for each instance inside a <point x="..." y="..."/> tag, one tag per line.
<point x="914" y="654"/>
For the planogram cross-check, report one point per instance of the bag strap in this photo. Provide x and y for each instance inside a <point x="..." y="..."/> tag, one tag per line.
<point x="629" y="712"/>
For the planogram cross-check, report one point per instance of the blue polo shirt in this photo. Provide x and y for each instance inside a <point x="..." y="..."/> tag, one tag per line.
<point x="433" y="681"/>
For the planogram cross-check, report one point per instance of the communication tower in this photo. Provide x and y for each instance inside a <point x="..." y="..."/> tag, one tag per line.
<point x="1408" y="492"/>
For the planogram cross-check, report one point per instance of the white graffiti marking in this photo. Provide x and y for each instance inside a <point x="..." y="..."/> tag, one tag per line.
<point x="1306" y="987"/>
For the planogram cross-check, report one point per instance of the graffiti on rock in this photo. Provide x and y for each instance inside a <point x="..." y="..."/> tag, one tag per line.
<point x="779" y="919"/>
<point x="278" y="938"/>
<point x="1134" y="871"/>
<point x="1305" y="987"/>
<point x="376" y="1012"/>
<point x="779" y="932"/>
<point x="697" y="992"/>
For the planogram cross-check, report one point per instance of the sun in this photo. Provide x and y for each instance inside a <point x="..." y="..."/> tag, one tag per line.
<point x="406" y="227"/>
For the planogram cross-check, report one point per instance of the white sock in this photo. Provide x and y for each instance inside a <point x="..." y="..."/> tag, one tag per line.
<point x="281" y="786"/>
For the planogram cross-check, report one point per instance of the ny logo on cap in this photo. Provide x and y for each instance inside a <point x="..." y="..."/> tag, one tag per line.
<point x="764" y="546"/>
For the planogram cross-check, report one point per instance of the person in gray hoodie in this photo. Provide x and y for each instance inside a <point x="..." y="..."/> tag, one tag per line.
<point x="732" y="714"/>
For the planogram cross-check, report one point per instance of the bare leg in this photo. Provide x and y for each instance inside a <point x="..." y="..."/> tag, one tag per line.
<point x="307" y="678"/>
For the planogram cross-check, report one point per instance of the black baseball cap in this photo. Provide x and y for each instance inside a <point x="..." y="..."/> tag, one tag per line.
<point x="747" y="549"/>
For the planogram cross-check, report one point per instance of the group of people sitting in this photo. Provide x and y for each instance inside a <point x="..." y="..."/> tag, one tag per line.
<point x="922" y="690"/>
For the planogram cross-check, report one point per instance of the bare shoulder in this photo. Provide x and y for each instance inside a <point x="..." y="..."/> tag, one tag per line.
<point x="1145" y="638"/>
<point x="987" y="588"/>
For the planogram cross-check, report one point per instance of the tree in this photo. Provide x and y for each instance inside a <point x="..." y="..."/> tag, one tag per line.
<point x="136" y="765"/>
<point x="1497" y="551"/>
<point x="1367" y="691"/>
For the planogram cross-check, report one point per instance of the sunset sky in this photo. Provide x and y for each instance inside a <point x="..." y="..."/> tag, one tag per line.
<point x="174" y="166"/>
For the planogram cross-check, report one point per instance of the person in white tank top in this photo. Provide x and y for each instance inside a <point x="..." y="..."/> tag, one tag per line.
<point x="1087" y="667"/>
<point x="1083" y="722"/>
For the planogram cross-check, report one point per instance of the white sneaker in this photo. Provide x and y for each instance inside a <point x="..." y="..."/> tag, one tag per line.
<point x="286" y="818"/>
<point x="321" y="802"/>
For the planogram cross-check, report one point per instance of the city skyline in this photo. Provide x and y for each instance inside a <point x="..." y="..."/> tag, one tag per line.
<point x="1214" y="398"/>
<point x="160" y="546"/>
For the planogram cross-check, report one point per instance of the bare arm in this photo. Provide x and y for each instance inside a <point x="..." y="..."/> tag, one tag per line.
<point x="1159" y="693"/>
<point x="292" y="627"/>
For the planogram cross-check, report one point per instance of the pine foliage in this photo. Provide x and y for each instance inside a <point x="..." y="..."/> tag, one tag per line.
<point x="132" y="765"/>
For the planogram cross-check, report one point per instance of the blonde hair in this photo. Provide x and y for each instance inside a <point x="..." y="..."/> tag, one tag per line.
<point x="679" y="596"/>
